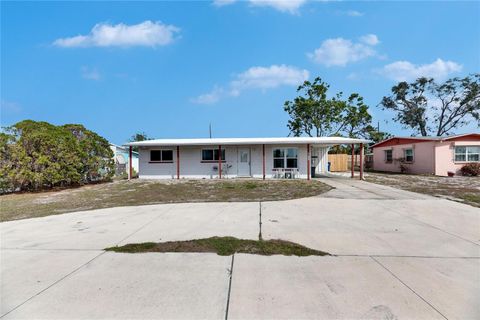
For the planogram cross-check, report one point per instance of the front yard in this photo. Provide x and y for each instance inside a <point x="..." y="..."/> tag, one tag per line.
<point x="462" y="189"/>
<point x="141" y="192"/>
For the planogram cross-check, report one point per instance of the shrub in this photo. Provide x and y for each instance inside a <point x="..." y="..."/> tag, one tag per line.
<point x="471" y="169"/>
<point x="38" y="155"/>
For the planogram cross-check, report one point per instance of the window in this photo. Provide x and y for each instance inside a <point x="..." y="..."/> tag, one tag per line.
<point x="285" y="158"/>
<point x="212" y="155"/>
<point x="161" y="156"/>
<point x="388" y="155"/>
<point x="408" y="155"/>
<point x="467" y="154"/>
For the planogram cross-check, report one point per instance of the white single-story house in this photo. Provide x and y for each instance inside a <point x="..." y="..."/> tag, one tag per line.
<point x="291" y="157"/>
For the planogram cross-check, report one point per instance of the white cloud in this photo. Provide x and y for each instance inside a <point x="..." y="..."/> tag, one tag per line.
<point x="221" y="3"/>
<point x="340" y="52"/>
<point x="147" y="33"/>
<point x="290" y="6"/>
<point x="90" y="73"/>
<point x="370" y="39"/>
<point x="256" y="78"/>
<point x="210" y="97"/>
<point x="269" y="77"/>
<point x="354" y="13"/>
<point x="407" y="71"/>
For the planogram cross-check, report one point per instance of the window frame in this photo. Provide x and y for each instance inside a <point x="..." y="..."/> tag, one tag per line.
<point x="405" y="155"/>
<point x="285" y="158"/>
<point x="385" y="155"/>
<point x="466" y="154"/>
<point x="161" y="156"/>
<point x="214" y="150"/>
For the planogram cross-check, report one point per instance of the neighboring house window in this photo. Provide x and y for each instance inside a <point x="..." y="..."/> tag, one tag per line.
<point x="408" y="155"/>
<point x="285" y="158"/>
<point x="161" y="156"/>
<point x="388" y="155"/>
<point x="467" y="153"/>
<point x="212" y="155"/>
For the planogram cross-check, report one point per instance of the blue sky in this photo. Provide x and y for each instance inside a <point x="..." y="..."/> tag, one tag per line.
<point x="171" y="68"/>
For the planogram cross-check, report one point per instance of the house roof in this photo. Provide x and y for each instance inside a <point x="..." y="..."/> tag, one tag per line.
<point x="247" y="141"/>
<point x="403" y="140"/>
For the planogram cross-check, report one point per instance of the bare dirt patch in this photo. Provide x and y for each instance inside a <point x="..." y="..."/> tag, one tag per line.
<point x="462" y="189"/>
<point x="142" y="192"/>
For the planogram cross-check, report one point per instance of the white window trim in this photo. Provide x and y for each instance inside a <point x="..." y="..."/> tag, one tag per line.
<point x="161" y="156"/>
<point x="385" y="155"/>
<point x="285" y="152"/>
<point x="466" y="154"/>
<point x="405" y="155"/>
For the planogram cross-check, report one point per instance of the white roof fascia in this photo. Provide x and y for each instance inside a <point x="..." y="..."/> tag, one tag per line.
<point x="248" y="141"/>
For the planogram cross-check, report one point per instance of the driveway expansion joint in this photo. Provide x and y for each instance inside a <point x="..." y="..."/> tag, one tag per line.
<point x="229" y="286"/>
<point x="53" y="284"/>
<point x="429" y="225"/>
<point x="400" y="280"/>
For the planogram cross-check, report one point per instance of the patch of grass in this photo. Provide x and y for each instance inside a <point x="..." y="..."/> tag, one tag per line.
<point x="223" y="246"/>
<point x="142" y="192"/>
<point x="462" y="189"/>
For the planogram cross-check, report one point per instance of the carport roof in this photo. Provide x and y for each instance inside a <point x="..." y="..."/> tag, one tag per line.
<point x="247" y="141"/>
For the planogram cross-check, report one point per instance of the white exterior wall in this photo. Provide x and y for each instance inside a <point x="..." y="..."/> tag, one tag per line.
<point x="192" y="167"/>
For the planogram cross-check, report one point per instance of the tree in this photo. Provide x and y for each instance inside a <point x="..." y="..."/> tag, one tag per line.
<point x="139" y="136"/>
<point x="96" y="157"/>
<point x="39" y="155"/>
<point x="435" y="109"/>
<point x="314" y="114"/>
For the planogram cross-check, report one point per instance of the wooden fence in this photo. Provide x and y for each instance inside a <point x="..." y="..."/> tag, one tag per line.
<point x="338" y="162"/>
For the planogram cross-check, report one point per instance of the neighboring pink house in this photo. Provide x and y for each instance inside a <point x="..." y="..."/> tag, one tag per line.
<point x="430" y="155"/>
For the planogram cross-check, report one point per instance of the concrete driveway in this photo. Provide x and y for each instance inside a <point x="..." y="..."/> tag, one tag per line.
<point x="397" y="255"/>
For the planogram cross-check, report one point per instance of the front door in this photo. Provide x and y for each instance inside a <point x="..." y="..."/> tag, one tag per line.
<point x="244" y="162"/>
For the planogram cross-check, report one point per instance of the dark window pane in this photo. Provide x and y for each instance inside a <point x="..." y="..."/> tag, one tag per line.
<point x="291" y="153"/>
<point x="473" y="157"/>
<point x="388" y="155"/>
<point x="215" y="154"/>
<point x="155" y="155"/>
<point x="460" y="149"/>
<point x="167" y="155"/>
<point x="278" y="163"/>
<point x="278" y="153"/>
<point x="460" y="157"/>
<point x="473" y="149"/>
<point x="207" y="155"/>
<point x="291" y="163"/>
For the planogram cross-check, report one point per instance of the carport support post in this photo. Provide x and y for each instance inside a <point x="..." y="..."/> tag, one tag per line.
<point x="361" y="161"/>
<point x="352" y="164"/>
<point x="178" y="162"/>
<point x="220" y="161"/>
<point x="308" y="161"/>
<point x="130" y="168"/>
<point x="263" y="152"/>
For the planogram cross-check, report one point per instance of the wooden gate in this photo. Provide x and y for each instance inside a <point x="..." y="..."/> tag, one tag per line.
<point x="338" y="162"/>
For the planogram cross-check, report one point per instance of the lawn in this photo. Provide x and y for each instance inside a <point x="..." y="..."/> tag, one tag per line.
<point x="141" y="192"/>
<point x="462" y="189"/>
<point x="223" y="246"/>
